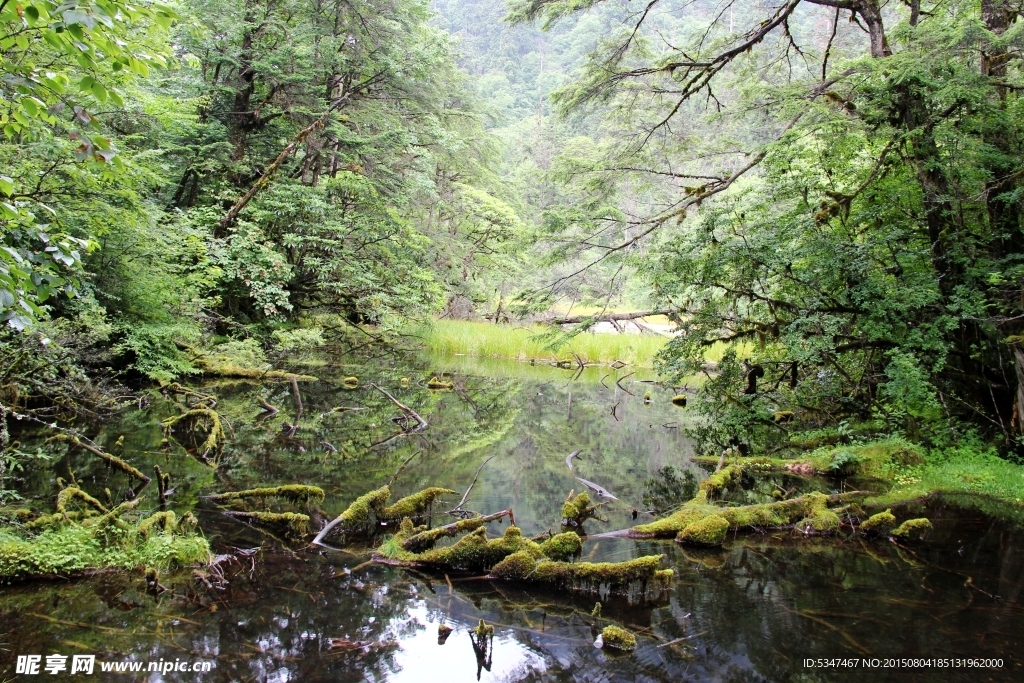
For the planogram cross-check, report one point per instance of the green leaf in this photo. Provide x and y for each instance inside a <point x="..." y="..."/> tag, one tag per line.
<point x="99" y="92"/>
<point x="6" y="185"/>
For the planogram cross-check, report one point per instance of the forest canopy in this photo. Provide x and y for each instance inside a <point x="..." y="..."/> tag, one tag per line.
<point x="830" y="187"/>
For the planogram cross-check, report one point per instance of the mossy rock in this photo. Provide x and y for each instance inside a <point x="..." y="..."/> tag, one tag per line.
<point x="679" y="400"/>
<point x="350" y="383"/>
<point x="436" y="383"/>
<point x="878" y="523"/>
<point x="913" y="528"/>
<point x="618" y="638"/>
<point x="709" y="531"/>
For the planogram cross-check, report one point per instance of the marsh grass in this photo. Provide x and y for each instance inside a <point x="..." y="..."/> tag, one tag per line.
<point x="458" y="337"/>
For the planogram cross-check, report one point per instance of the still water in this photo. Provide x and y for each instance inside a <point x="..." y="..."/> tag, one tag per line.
<point x="754" y="610"/>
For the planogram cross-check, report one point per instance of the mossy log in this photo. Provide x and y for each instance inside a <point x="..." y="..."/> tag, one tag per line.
<point x="357" y="516"/>
<point x="618" y="638"/>
<point x="436" y="383"/>
<point x="215" y="435"/>
<point x="708" y="531"/>
<point x="912" y="528"/>
<point x="879" y="523"/>
<point x="167" y="521"/>
<point x="293" y="493"/>
<point x="473" y="552"/>
<point x="112" y="460"/>
<point x="291" y="523"/>
<point x="721" y="480"/>
<point x="424" y="540"/>
<point x="578" y="510"/>
<point x="71" y="493"/>
<point x="413" y="506"/>
<point x="783" y="513"/>
<point x="643" y="575"/>
<point x="562" y="547"/>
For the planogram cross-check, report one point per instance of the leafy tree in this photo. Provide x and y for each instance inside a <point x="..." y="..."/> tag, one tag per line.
<point x="855" y="218"/>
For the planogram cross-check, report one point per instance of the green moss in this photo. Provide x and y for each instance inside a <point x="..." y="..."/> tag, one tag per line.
<point x="415" y="505"/>
<point x="75" y="549"/>
<point x="913" y="528"/>
<point x="161" y="520"/>
<point x="350" y="383"/>
<point x="878" y="523"/>
<point x="474" y="552"/>
<point x="578" y="510"/>
<point x="708" y="531"/>
<point x="291" y="523"/>
<point x="679" y="400"/>
<point x="642" y="574"/>
<point x="764" y="515"/>
<point x="722" y="479"/>
<point x="669" y="526"/>
<point x="436" y="383"/>
<point x="483" y="630"/>
<point x="562" y="547"/>
<point x="424" y="540"/>
<point x="71" y="493"/>
<point x="618" y="638"/>
<point x="358" y="513"/>
<point x="294" y="493"/>
<point x="210" y="418"/>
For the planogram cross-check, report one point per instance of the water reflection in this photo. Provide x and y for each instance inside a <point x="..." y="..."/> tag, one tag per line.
<point x="748" y="612"/>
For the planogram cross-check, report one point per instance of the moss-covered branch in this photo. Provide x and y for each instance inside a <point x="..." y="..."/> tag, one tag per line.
<point x="294" y="493"/>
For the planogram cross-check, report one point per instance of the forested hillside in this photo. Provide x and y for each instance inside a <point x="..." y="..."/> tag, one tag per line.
<point x="829" y="188"/>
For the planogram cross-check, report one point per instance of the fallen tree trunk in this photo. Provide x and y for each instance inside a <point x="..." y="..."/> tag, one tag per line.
<point x="608" y="317"/>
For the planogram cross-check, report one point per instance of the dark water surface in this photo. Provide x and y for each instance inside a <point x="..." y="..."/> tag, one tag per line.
<point x="752" y="611"/>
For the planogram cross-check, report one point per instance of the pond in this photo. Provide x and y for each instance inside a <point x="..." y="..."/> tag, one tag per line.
<point x="754" y="610"/>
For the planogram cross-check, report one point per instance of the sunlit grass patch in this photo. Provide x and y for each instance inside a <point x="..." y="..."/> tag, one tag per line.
<point x="525" y="343"/>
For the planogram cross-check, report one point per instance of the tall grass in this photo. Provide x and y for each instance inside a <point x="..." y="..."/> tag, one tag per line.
<point x="451" y="337"/>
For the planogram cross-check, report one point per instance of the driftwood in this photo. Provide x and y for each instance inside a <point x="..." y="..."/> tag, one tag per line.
<point x="600" y="491"/>
<point x="568" y="459"/>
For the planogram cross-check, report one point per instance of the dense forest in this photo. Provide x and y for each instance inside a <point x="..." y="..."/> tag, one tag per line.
<point x="277" y="277"/>
<point x="836" y="184"/>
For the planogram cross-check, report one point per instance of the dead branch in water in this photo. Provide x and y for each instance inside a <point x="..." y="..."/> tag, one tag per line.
<point x="610" y="317"/>
<point x="267" y="408"/>
<point x="617" y="382"/>
<point x="457" y="510"/>
<point x="400" y="467"/>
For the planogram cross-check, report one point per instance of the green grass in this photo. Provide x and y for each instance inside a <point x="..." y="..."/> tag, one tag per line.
<point x="74" y="549"/>
<point x="451" y="337"/>
<point x="454" y="337"/>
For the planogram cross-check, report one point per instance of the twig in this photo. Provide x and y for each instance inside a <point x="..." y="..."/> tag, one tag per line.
<point x="421" y="423"/>
<point x="465" y="496"/>
<point x="401" y="467"/>
<point x="603" y="379"/>
<point x="679" y="640"/>
<point x="622" y="378"/>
